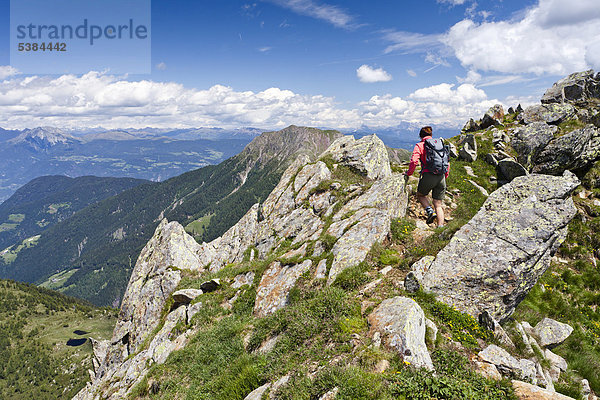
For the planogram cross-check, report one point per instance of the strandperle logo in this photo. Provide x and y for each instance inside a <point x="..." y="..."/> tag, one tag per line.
<point x="85" y="31"/>
<point x="79" y="36"/>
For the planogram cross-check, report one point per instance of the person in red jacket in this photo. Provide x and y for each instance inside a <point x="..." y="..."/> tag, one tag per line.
<point x="428" y="182"/>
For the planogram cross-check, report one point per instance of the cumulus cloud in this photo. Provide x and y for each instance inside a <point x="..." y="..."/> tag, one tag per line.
<point x="326" y="12"/>
<point x="7" y="70"/>
<point x="368" y="74"/>
<point x="98" y="99"/>
<point x="555" y="37"/>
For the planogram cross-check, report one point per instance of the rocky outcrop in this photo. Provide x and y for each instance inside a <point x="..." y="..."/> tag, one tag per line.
<point x="530" y="139"/>
<point x="401" y="324"/>
<point x="575" y="88"/>
<point x="552" y="114"/>
<point x="493" y="261"/>
<point x="573" y="151"/>
<point x="367" y="155"/>
<point x="124" y="361"/>
<point x="492" y="117"/>
<point x="467" y="148"/>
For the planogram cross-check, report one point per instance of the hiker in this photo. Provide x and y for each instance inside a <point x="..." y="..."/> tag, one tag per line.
<point x="433" y="156"/>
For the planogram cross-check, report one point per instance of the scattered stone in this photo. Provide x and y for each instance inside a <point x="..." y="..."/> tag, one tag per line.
<point x="210" y="286"/>
<point x="193" y="310"/>
<point x="555" y="360"/>
<point x="268" y="345"/>
<point x="492" y="117"/>
<point x="401" y="323"/>
<point x="411" y="284"/>
<point x="505" y="363"/>
<point x="382" y="366"/>
<point x="470" y="171"/>
<point x="586" y="390"/>
<point x="510" y="110"/>
<point x="331" y="395"/>
<point x="527" y="391"/>
<point x="524" y="337"/>
<point x="471" y="126"/>
<point x="491" y="159"/>
<point x="243" y="279"/>
<point x="186" y="296"/>
<point x="493" y="261"/>
<point x="386" y="270"/>
<point x="453" y="151"/>
<point x="508" y="169"/>
<point x="468" y="148"/>
<point x="488" y="370"/>
<point x="528" y="370"/>
<point x="431" y="331"/>
<point x="257" y="393"/>
<point x="480" y="188"/>
<point x="551" y="332"/>
<point x="277" y="385"/>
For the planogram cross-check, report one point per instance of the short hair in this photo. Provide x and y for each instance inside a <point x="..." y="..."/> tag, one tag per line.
<point x="425" y="131"/>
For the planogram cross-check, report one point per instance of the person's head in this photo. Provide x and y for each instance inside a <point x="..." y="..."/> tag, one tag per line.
<point x="425" y="131"/>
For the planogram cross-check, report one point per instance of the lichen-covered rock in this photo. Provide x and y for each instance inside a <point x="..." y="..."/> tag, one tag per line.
<point x="309" y="178"/>
<point x="275" y="285"/>
<point x="257" y="394"/>
<point x="575" y="88"/>
<point x="529" y="140"/>
<point x="506" y="364"/>
<point x="493" y="116"/>
<point x="401" y="323"/>
<point x="552" y="114"/>
<point x="574" y="151"/>
<point x="367" y="155"/>
<point x="555" y="360"/>
<point x="527" y="391"/>
<point x="493" y="261"/>
<point x="467" y="148"/>
<point x="551" y="332"/>
<point x="471" y="126"/>
<point x="153" y="280"/>
<point x="487" y="370"/>
<point x="509" y="169"/>
<point x="243" y="279"/>
<point x="275" y="202"/>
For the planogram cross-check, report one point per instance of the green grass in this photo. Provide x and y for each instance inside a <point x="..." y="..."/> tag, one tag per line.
<point x="58" y="280"/>
<point x="17" y="218"/>
<point x="570" y="126"/>
<point x="54" y="208"/>
<point x="10" y="254"/>
<point x="4" y="227"/>
<point x="196" y="228"/>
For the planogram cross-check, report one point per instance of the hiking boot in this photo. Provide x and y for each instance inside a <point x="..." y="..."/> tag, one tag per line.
<point x="431" y="216"/>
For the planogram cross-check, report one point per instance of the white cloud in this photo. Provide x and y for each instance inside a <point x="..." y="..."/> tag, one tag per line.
<point x="264" y="49"/>
<point x="7" y="70"/>
<point x="411" y="73"/>
<point x="97" y="99"/>
<point x="452" y="2"/>
<point x="368" y="74"/>
<point x="326" y="12"/>
<point x="555" y="37"/>
<point x="161" y="66"/>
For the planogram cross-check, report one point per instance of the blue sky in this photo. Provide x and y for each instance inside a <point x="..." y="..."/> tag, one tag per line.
<point x="339" y="64"/>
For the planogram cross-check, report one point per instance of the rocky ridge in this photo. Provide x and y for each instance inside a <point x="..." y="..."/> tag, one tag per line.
<point x="325" y="217"/>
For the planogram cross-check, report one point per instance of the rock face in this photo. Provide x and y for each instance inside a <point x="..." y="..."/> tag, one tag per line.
<point x="275" y="285"/>
<point x="401" y="323"/>
<point x="552" y="114"/>
<point x="493" y="261"/>
<point x="573" y="151"/>
<point x="551" y="332"/>
<point x="123" y="362"/>
<point x="574" y="88"/>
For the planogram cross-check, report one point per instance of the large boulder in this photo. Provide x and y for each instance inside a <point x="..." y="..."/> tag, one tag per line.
<point x="527" y="391"/>
<point x="509" y="169"/>
<point x="401" y="324"/>
<point x="551" y="332"/>
<point x="529" y="140"/>
<point x="552" y="114"/>
<point x="367" y="155"/>
<point x="467" y="148"/>
<point x="574" y="151"/>
<point x="493" y="116"/>
<point x="493" y="261"/>
<point x="575" y="88"/>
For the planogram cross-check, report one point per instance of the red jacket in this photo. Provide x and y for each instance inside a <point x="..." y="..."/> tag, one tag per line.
<point x="418" y="156"/>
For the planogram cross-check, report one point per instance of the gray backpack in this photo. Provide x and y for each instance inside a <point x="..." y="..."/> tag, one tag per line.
<point x="437" y="156"/>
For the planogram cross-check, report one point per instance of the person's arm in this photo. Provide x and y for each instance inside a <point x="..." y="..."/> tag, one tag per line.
<point x="414" y="160"/>
<point x="448" y="172"/>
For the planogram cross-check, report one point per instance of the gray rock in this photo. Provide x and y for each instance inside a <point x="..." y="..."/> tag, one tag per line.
<point x="573" y="151"/>
<point x="479" y="187"/>
<point x="491" y="159"/>
<point x="431" y="330"/>
<point x="528" y="371"/>
<point x="492" y="117"/>
<point x="552" y="114"/>
<point x="585" y="388"/>
<point x="575" y="88"/>
<point x="309" y="178"/>
<point x="277" y="385"/>
<point x="321" y="272"/>
<point x="467" y="146"/>
<point x="331" y="395"/>
<point x="487" y="370"/>
<point x="527" y="391"/>
<point x="509" y="169"/>
<point x="471" y="126"/>
<point x="551" y="332"/>
<point x="493" y="261"/>
<point x="210" y="286"/>
<point x="193" y="310"/>
<point x="367" y="155"/>
<point x="506" y="364"/>
<point x="186" y="296"/>
<point x="452" y="150"/>
<point x="401" y="324"/>
<point x="275" y="285"/>
<point x="243" y="279"/>
<point x="257" y="393"/>
<point x="555" y="360"/>
<point x="411" y="284"/>
<point x="529" y="140"/>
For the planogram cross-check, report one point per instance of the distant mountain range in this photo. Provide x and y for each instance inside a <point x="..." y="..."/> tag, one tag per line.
<point x="152" y="154"/>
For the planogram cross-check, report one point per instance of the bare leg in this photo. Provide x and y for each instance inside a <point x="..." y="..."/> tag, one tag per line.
<point x="439" y="210"/>
<point x="423" y="200"/>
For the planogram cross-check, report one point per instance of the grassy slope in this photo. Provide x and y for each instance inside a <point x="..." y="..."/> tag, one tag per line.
<point x="323" y="336"/>
<point x="35" y="324"/>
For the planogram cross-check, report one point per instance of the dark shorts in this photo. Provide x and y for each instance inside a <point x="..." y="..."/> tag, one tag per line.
<point x="436" y="184"/>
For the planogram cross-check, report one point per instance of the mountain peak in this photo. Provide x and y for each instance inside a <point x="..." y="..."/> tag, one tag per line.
<point x="42" y="138"/>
